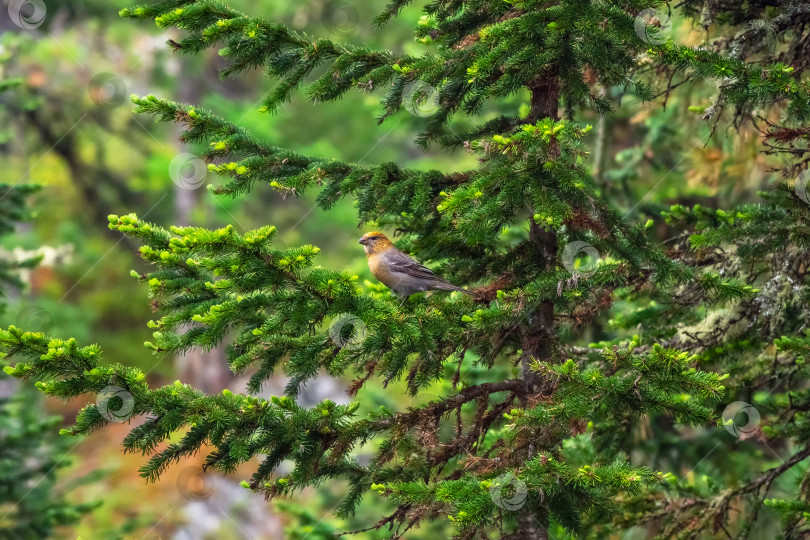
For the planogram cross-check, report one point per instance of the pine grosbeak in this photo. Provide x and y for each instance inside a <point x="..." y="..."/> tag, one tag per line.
<point x="398" y="271"/>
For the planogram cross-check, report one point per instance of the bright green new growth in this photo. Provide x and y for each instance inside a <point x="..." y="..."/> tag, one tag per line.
<point x="320" y="439"/>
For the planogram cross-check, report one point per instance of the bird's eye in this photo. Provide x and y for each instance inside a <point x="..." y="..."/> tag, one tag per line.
<point x="373" y="237"/>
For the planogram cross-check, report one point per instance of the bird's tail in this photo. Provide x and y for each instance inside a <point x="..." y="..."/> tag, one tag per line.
<point x="445" y="286"/>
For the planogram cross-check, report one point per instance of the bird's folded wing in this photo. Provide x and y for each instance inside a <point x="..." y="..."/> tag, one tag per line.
<point x="400" y="262"/>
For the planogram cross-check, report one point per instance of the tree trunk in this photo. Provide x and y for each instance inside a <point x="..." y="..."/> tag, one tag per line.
<point x="537" y="336"/>
<point x="538" y="332"/>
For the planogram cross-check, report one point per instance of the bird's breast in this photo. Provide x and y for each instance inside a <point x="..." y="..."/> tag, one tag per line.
<point x="378" y="267"/>
<point x="375" y="264"/>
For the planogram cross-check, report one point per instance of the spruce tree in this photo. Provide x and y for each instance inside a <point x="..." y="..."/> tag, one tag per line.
<point x="534" y="433"/>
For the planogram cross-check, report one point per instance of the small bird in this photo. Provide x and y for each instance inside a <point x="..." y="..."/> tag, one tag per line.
<point x="398" y="271"/>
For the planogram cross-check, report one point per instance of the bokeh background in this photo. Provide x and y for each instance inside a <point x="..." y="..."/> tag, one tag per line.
<point x="69" y="127"/>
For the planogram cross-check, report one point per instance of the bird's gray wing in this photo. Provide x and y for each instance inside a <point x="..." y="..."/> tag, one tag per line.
<point x="403" y="264"/>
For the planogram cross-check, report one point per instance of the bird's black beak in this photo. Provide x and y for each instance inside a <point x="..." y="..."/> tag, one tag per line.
<point x="362" y="241"/>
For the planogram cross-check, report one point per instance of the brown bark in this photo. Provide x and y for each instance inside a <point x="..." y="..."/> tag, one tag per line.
<point x="537" y="333"/>
<point x="545" y="97"/>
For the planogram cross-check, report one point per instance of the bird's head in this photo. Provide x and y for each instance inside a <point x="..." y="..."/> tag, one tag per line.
<point x="375" y="242"/>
